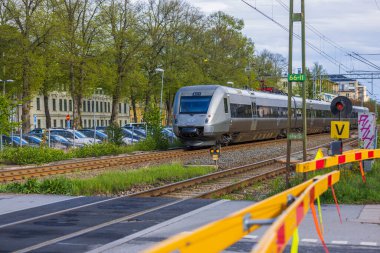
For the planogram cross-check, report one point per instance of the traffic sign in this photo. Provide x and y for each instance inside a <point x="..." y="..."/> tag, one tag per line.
<point x="296" y="77"/>
<point x="295" y="136"/>
<point x="35" y="119"/>
<point x="340" y="129"/>
<point x="341" y="105"/>
<point x="67" y="117"/>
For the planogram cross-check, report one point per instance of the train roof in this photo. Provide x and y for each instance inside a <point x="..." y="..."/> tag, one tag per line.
<point x="263" y="96"/>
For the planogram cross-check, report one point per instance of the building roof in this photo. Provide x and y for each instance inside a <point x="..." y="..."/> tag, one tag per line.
<point x="340" y="78"/>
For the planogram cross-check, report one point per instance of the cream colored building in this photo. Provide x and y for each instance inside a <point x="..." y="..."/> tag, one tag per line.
<point x="350" y="88"/>
<point x="95" y="109"/>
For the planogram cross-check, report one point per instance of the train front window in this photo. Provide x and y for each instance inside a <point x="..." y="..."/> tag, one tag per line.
<point x="194" y="104"/>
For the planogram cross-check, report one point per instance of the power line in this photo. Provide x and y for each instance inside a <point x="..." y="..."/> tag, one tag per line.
<point x="334" y="44"/>
<point x="315" y="48"/>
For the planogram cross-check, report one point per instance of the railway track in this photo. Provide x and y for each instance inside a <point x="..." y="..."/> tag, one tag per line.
<point x="14" y="174"/>
<point x="226" y="181"/>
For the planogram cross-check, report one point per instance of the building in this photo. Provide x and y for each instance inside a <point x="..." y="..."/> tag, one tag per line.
<point x="96" y="110"/>
<point x="350" y="88"/>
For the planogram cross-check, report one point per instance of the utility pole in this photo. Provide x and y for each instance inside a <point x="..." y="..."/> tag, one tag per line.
<point x="304" y="139"/>
<point x="290" y="70"/>
<point x="296" y="17"/>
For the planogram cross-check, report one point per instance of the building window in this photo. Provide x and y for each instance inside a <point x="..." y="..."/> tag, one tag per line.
<point x="39" y="123"/>
<point x="85" y="123"/>
<point x="70" y="105"/>
<point x="62" y="123"/>
<point x="97" y="122"/>
<point x="60" y="105"/>
<point x="101" y="122"/>
<point x="125" y="107"/>
<point x="38" y="104"/>
<point x="101" y="106"/>
<point x="109" y="107"/>
<point x="93" y="106"/>
<point x="54" y="123"/>
<point x="97" y="106"/>
<point x="120" y="123"/>
<point x="65" y="105"/>
<point x="120" y="107"/>
<point x="54" y="105"/>
<point x="84" y="106"/>
<point x="125" y="122"/>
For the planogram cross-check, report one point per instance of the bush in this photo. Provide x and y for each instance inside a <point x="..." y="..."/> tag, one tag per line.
<point x="115" y="134"/>
<point x="32" y="155"/>
<point x="155" y="138"/>
<point x="99" y="150"/>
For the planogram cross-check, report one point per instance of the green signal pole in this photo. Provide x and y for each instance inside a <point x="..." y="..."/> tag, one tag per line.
<point x="290" y="66"/>
<point x="296" y="17"/>
<point x="304" y="84"/>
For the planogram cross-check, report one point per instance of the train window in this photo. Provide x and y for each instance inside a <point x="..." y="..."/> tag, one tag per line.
<point x="225" y="105"/>
<point x="241" y="111"/>
<point x="194" y="104"/>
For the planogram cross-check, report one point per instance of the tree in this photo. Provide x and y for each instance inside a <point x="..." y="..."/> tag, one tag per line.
<point x="29" y="18"/>
<point x="6" y="109"/>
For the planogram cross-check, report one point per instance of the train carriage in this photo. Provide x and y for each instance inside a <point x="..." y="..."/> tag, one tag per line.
<point x="206" y="115"/>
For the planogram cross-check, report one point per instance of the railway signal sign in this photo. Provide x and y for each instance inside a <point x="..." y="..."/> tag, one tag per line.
<point x="341" y="106"/>
<point x="294" y="136"/>
<point x="215" y="153"/>
<point x="296" y="77"/>
<point x="340" y="129"/>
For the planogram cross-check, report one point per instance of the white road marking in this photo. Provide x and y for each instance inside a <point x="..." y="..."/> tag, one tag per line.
<point x="251" y="236"/>
<point x="368" y="243"/>
<point x="339" y="242"/>
<point x="309" y="240"/>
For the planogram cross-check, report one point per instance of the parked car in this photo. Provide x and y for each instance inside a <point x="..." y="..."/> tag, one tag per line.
<point x="74" y="136"/>
<point x="90" y="134"/>
<point x="133" y="136"/>
<point x="32" y="139"/>
<point x="168" y="133"/>
<point x="61" y="142"/>
<point x="14" y="140"/>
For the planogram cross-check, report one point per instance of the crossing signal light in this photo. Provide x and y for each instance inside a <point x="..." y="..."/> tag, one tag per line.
<point x="67" y="117"/>
<point x="341" y="106"/>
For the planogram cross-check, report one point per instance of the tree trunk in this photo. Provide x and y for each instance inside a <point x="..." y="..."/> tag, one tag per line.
<point x="72" y="89"/>
<point x="77" y="108"/>
<point x="46" y="109"/>
<point x="133" y="104"/>
<point x="26" y="96"/>
<point x="116" y="97"/>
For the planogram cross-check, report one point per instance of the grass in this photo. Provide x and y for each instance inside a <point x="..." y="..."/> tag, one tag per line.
<point x="108" y="183"/>
<point x="349" y="190"/>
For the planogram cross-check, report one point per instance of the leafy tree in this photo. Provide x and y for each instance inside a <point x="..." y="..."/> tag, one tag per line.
<point x="6" y="109"/>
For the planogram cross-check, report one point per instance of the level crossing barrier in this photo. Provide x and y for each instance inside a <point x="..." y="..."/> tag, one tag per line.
<point x="284" y="211"/>
<point x="356" y="155"/>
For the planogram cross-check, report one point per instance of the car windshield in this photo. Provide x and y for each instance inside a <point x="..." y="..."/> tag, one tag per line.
<point x="79" y="134"/>
<point x="194" y="104"/>
<point x="59" y="138"/>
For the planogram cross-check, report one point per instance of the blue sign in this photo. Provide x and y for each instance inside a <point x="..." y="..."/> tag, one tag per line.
<point x="68" y="123"/>
<point x="35" y="119"/>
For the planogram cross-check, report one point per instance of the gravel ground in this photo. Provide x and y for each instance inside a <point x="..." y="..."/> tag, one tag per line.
<point x="257" y="153"/>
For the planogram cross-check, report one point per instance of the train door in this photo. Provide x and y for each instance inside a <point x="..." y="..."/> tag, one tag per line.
<point x="254" y="114"/>
<point x="227" y="110"/>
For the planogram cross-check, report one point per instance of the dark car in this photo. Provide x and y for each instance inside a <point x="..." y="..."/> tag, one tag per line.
<point x="32" y="139"/>
<point x="14" y="140"/>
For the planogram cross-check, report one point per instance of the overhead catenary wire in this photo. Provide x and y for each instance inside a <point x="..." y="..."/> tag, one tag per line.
<point x="315" y="48"/>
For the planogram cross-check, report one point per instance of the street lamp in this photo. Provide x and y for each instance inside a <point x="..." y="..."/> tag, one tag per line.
<point x="93" y="109"/>
<point x="1" y="134"/>
<point x="6" y="81"/>
<point x="230" y="83"/>
<point x="162" y="87"/>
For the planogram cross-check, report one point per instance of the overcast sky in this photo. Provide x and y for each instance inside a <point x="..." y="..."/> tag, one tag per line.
<point x="351" y="26"/>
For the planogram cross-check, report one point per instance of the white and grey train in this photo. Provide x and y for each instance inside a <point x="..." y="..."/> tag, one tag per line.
<point x="206" y="115"/>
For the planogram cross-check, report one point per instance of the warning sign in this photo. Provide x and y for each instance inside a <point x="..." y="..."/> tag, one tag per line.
<point x="340" y="129"/>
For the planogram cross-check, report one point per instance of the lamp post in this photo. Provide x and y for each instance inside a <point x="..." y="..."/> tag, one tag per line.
<point x="162" y="87"/>
<point x="93" y="108"/>
<point x="4" y="81"/>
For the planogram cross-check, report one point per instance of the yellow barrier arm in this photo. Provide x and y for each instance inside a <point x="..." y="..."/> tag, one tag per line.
<point x="356" y="155"/>
<point x="277" y="236"/>
<point x="221" y="234"/>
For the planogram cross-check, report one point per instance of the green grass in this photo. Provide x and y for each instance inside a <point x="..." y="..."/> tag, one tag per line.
<point x="349" y="190"/>
<point x="108" y="183"/>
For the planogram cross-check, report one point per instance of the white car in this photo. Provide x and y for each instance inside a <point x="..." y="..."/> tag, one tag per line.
<point x="78" y="136"/>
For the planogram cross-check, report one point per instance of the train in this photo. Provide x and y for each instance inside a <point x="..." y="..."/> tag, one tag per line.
<point x="209" y="115"/>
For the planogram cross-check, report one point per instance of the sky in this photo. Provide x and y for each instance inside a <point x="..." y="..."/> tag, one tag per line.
<point x="338" y="28"/>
